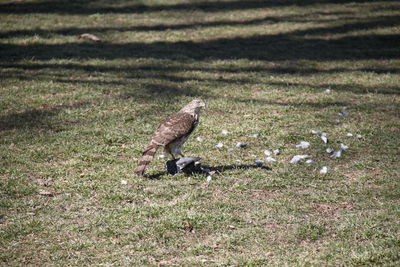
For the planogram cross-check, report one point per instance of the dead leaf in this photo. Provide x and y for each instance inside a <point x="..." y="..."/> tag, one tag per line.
<point x="90" y="37"/>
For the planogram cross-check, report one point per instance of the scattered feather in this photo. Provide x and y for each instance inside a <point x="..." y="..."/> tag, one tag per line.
<point x="209" y="178"/>
<point x="161" y="156"/>
<point x="124" y="182"/>
<point x="324" y="138"/>
<point x="267" y="152"/>
<point x="349" y="134"/>
<point x="323" y="170"/>
<point x="343" y="147"/>
<point x="270" y="159"/>
<point x="359" y="136"/>
<point x="90" y="37"/>
<point x="240" y="144"/>
<point x="297" y="158"/>
<point x="224" y="132"/>
<point x="199" y="139"/>
<point x="323" y="135"/>
<point x="309" y="161"/>
<point x="303" y="144"/>
<point x="343" y="114"/>
<point x="329" y="150"/>
<point x="317" y="132"/>
<point x="336" y="154"/>
<point x="327" y="91"/>
<point x="259" y="163"/>
<point x="219" y="145"/>
<point x="276" y="152"/>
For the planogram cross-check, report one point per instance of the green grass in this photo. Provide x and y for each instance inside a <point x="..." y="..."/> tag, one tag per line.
<point x="75" y="116"/>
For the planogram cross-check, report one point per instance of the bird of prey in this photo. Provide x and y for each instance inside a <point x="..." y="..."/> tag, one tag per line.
<point x="172" y="134"/>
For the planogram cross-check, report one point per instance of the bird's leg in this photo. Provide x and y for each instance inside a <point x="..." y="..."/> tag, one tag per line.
<point x="178" y="150"/>
<point x="168" y="151"/>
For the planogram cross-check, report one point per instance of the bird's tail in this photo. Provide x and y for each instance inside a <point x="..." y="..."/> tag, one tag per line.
<point x="147" y="156"/>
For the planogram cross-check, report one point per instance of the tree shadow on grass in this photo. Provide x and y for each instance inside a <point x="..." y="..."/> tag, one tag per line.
<point x="296" y="45"/>
<point x="370" y="23"/>
<point x="355" y="89"/>
<point x="223" y="168"/>
<point x="36" y="119"/>
<point x="267" y="20"/>
<point x="313" y="44"/>
<point x="125" y="7"/>
<point x="279" y="47"/>
<point x="318" y="43"/>
<point x="136" y="71"/>
<point x="219" y="170"/>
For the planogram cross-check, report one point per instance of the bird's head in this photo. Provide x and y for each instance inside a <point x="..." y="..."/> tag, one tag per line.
<point x="194" y="106"/>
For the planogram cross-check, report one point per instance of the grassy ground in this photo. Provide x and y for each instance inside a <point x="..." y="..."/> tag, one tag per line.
<point x="75" y="115"/>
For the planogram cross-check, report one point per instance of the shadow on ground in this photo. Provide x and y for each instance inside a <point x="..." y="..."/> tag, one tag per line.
<point x="316" y="44"/>
<point x="218" y="169"/>
<point x="279" y="47"/>
<point x="125" y="6"/>
<point x="308" y="44"/>
<point x="35" y="118"/>
<point x="333" y="42"/>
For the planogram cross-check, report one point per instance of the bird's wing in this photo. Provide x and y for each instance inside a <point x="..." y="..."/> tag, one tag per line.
<point x="174" y="127"/>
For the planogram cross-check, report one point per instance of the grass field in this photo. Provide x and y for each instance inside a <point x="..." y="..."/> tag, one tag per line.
<point x="76" y="114"/>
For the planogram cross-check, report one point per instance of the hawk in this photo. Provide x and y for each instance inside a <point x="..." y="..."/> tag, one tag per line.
<point x="172" y="134"/>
